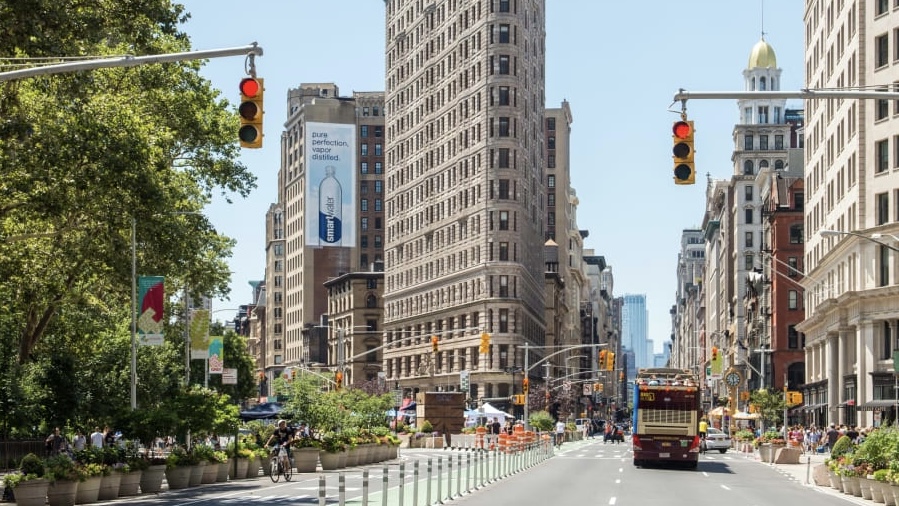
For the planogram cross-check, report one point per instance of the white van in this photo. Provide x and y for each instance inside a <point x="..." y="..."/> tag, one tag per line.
<point x="582" y="424"/>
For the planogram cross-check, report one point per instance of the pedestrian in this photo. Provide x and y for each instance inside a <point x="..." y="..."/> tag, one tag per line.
<point x="55" y="443"/>
<point x="831" y="437"/>
<point x="560" y="432"/>
<point x="214" y="442"/>
<point x="96" y="438"/>
<point x="508" y="428"/>
<point x="109" y="437"/>
<point x="495" y="427"/>
<point x="80" y="441"/>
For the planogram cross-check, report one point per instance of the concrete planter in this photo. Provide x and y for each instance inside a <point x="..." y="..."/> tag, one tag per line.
<point x="196" y="474"/>
<point x="88" y="490"/>
<point x="178" y="477"/>
<point x="210" y="473"/>
<point x="330" y="460"/>
<point x="32" y="492"/>
<point x="241" y="473"/>
<point x="109" y="487"/>
<point x="306" y="459"/>
<point x="151" y="479"/>
<point x="62" y="493"/>
<point x="224" y="469"/>
<point x="130" y="483"/>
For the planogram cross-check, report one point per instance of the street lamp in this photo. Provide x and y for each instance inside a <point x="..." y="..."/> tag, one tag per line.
<point x="873" y="237"/>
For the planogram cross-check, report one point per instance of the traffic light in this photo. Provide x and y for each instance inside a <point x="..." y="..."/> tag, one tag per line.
<point x="525" y="384"/>
<point x="518" y="400"/>
<point x="682" y="152"/>
<point x="485" y="343"/>
<point x="338" y="379"/>
<point x="598" y="388"/>
<point x="714" y="353"/>
<point x="601" y="359"/>
<point x="250" y="111"/>
<point x="793" y="398"/>
<point x="621" y="376"/>
<point x="435" y="343"/>
<point x="610" y="361"/>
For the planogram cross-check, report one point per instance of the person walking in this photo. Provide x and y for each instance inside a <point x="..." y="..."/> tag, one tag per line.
<point x="55" y="443"/>
<point x="831" y="437"/>
<point x="560" y="433"/>
<point x="96" y="438"/>
<point x="80" y="441"/>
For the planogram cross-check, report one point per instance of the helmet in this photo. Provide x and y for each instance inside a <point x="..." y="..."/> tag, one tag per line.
<point x="281" y="421"/>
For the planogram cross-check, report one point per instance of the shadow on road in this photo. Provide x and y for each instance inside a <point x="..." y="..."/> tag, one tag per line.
<point x="704" y="466"/>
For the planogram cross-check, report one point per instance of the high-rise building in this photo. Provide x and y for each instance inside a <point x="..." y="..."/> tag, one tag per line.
<point x="328" y="219"/>
<point x="634" y="329"/>
<point x="851" y="201"/>
<point x="465" y="186"/>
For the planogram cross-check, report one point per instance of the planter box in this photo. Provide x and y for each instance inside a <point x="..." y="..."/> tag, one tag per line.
<point x="130" y="483"/>
<point x="306" y="459"/>
<point x="178" y="477"/>
<point x="109" y="487"/>
<point x="224" y="469"/>
<point x="210" y="472"/>
<point x="241" y="473"/>
<point x="62" y="493"/>
<point x="88" y="490"/>
<point x="196" y="474"/>
<point x="330" y="460"/>
<point x="151" y="479"/>
<point x="32" y="492"/>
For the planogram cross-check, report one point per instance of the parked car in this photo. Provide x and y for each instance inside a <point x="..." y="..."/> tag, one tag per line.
<point x="716" y="439"/>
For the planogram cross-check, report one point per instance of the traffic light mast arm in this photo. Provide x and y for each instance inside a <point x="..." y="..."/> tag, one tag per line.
<point x="806" y="94"/>
<point x="133" y="61"/>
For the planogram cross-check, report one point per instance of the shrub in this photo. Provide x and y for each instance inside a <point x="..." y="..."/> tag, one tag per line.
<point x="332" y="442"/>
<point x="32" y="465"/>
<point x="744" y="435"/>
<point x="426" y="426"/>
<point x="61" y="467"/>
<point x="542" y="420"/>
<point x="841" y="447"/>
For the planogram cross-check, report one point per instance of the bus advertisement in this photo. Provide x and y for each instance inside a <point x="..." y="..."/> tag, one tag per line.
<point x="666" y="417"/>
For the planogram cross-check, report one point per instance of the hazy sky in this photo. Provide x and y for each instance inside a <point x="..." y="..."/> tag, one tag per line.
<point x="618" y="64"/>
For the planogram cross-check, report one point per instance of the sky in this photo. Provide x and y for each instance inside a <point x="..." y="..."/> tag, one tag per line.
<point x="618" y="64"/>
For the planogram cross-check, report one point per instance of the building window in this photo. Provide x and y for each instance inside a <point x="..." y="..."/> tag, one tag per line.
<point x="881" y="51"/>
<point x="504" y="64"/>
<point x="749" y="262"/>
<point x="363" y="241"/>
<point x="748" y="193"/>
<point x="504" y="5"/>
<point x="748" y="216"/>
<point x="379" y="242"/>
<point x="503" y="162"/>
<point x="748" y="168"/>
<point x="551" y="161"/>
<point x="379" y="131"/>
<point x="882" y="155"/>
<point x="371" y="284"/>
<point x="504" y="286"/>
<point x="363" y="204"/>
<point x="504" y="127"/>
<point x="793" y="271"/>
<point x="379" y="186"/>
<point x="364" y="223"/>
<point x="504" y="34"/>
<point x="363" y="131"/>
<point x="364" y="167"/>
<point x="364" y="148"/>
<point x="504" y="251"/>
<point x="379" y="168"/>
<point x="379" y="149"/>
<point x="504" y="189"/>
<point x="379" y="205"/>
<point x="796" y="234"/>
<point x="749" y="241"/>
<point x="882" y="201"/>
<point x="551" y="124"/>
<point x="792" y="337"/>
<point x="551" y="142"/>
<point x="503" y="320"/>
<point x="550" y="181"/>
<point x="882" y="7"/>
<point x="793" y="299"/>
<point x="551" y="199"/>
<point x="504" y="95"/>
<point x="747" y="142"/>
<point x="371" y="301"/>
<point x="883" y="254"/>
<point x="551" y="219"/>
<point x="504" y="220"/>
<point x="778" y="142"/>
<point x="763" y="142"/>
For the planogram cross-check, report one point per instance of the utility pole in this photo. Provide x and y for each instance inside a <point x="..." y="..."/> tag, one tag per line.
<point x="806" y="94"/>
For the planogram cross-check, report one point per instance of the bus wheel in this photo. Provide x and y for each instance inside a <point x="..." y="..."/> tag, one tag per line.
<point x="638" y="463"/>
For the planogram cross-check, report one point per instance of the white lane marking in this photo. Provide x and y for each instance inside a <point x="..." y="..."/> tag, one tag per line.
<point x="620" y="469"/>
<point x="725" y="487"/>
<point x="612" y="501"/>
<point x="704" y="473"/>
<point x="618" y="481"/>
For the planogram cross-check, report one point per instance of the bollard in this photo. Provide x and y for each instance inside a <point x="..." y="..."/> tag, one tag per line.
<point x="428" y="486"/>
<point x="449" y="477"/>
<point x="458" y="475"/>
<point x="322" y="499"/>
<point x="341" y="489"/>
<point x="415" y="484"/>
<point x="384" y="487"/>
<point x="365" y="487"/>
<point x="808" y="469"/>
<point x="468" y="473"/>
<point x="439" y="480"/>
<point x="402" y="481"/>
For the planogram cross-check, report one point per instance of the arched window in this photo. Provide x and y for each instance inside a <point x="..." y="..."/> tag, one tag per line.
<point x="778" y="165"/>
<point x="762" y="84"/>
<point x="773" y="84"/>
<point x="752" y="84"/>
<point x="371" y="301"/>
<point x="763" y="164"/>
<point x="748" y="168"/>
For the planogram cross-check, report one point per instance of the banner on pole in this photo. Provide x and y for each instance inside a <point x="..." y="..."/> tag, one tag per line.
<point x="216" y="358"/>
<point x="151" y="297"/>
<point x="199" y="334"/>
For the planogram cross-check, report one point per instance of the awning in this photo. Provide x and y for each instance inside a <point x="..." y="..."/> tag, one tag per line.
<point x="814" y="407"/>
<point x="877" y="405"/>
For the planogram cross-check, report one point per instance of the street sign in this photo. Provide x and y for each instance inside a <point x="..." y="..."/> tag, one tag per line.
<point x="397" y="397"/>
<point x="588" y="389"/>
<point x="229" y="376"/>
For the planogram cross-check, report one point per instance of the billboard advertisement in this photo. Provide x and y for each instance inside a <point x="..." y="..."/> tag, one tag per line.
<point x="330" y="184"/>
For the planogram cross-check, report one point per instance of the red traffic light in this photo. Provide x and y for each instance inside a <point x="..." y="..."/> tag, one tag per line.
<point x="682" y="129"/>
<point x="249" y="87"/>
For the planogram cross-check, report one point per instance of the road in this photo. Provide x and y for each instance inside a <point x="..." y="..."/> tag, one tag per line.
<point x="581" y="473"/>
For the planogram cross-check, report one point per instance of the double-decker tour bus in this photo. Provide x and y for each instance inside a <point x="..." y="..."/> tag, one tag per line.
<point x="666" y="417"/>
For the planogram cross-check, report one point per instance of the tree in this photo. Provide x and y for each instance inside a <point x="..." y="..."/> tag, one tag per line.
<point x="770" y="404"/>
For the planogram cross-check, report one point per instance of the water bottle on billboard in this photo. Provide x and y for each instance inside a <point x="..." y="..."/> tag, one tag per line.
<point x="330" y="205"/>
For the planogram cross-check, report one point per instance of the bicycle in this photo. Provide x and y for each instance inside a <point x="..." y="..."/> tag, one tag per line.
<point x="278" y="467"/>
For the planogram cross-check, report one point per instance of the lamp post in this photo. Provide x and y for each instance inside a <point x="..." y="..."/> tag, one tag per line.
<point x="873" y="237"/>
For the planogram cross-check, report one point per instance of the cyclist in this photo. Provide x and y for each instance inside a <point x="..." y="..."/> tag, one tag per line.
<point x="282" y="436"/>
<point x="560" y="433"/>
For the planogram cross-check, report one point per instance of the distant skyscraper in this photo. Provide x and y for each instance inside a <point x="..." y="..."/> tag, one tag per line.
<point x="634" y="329"/>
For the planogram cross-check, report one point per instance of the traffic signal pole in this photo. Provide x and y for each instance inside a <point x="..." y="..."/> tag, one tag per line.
<point x="805" y="94"/>
<point x="250" y="51"/>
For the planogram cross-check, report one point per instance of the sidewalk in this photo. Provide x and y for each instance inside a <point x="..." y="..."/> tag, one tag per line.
<point x="804" y="474"/>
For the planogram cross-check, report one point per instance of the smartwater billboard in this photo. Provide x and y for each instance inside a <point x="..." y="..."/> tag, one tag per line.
<point x="330" y="184"/>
